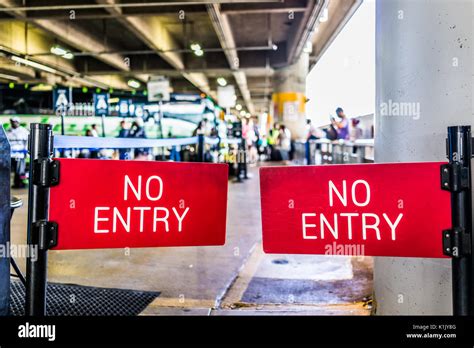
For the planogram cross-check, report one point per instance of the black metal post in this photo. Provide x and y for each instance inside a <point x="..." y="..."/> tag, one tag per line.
<point x="102" y="120"/>
<point x="40" y="149"/>
<point x="200" y="148"/>
<point x="459" y="155"/>
<point x="244" y="159"/>
<point x="308" y="152"/>
<point x="239" y="158"/>
<point x="63" y="130"/>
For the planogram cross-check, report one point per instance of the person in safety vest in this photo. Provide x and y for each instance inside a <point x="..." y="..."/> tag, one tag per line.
<point x="18" y="138"/>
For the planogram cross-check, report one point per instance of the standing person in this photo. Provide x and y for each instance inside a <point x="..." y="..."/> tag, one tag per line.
<point x="284" y="142"/>
<point x="124" y="131"/>
<point x="272" y="141"/>
<point x="356" y="130"/>
<point x="356" y="133"/>
<point x="342" y="126"/>
<point x="138" y="131"/>
<point x="250" y="141"/>
<point x="200" y="129"/>
<point x="94" y="131"/>
<point x="91" y="153"/>
<point x="330" y="131"/>
<point x="245" y="128"/>
<point x="312" y="135"/>
<point x="18" y="138"/>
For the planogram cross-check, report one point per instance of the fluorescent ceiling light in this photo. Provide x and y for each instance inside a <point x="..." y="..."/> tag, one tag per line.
<point x="196" y="47"/>
<point x="59" y="51"/>
<point x="33" y="64"/>
<point x="222" y="81"/>
<point x="133" y="84"/>
<point x="199" y="53"/>
<point x="238" y="107"/>
<point x="68" y="55"/>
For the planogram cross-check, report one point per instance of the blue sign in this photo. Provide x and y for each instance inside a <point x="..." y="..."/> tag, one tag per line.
<point x="101" y="104"/>
<point x="123" y="108"/>
<point x="62" y="98"/>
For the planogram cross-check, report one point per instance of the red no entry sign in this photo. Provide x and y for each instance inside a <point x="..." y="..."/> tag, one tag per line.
<point x="117" y="204"/>
<point x="370" y="209"/>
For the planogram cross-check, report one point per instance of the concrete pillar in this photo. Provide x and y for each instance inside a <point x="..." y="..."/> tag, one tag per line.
<point x="289" y="96"/>
<point x="423" y="58"/>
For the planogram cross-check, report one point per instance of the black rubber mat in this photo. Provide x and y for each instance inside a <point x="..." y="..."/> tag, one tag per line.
<point x="77" y="300"/>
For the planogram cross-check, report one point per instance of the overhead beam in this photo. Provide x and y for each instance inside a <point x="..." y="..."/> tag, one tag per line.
<point x="154" y="34"/>
<point x="82" y="40"/>
<point x="289" y="6"/>
<point x="226" y="38"/>
<point x="122" y="5"/>
<point x="72" y="35"/>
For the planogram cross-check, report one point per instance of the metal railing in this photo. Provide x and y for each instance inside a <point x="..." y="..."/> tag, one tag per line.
<point x="324" y="151"/>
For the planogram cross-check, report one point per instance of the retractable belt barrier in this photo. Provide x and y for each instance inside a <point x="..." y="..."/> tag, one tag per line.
<point x="90" y="203"/>
<point x="69" y="141"/>
<point x="396" y="209"/>
<point x="81" y="142"/>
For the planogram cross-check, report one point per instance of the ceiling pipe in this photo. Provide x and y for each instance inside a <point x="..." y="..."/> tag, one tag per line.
<point x="145" y="52"/>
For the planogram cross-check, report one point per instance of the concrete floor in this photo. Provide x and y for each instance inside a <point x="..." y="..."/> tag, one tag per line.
<point x="235" y="279"/>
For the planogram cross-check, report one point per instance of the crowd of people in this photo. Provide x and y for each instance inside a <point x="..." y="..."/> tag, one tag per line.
<point x="274" y="144"/>
<point x="134" y="129"/>
<point x="277" y="145"/>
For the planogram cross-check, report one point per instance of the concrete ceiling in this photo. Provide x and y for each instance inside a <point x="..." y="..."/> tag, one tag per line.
<point x="114" y="41"/>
